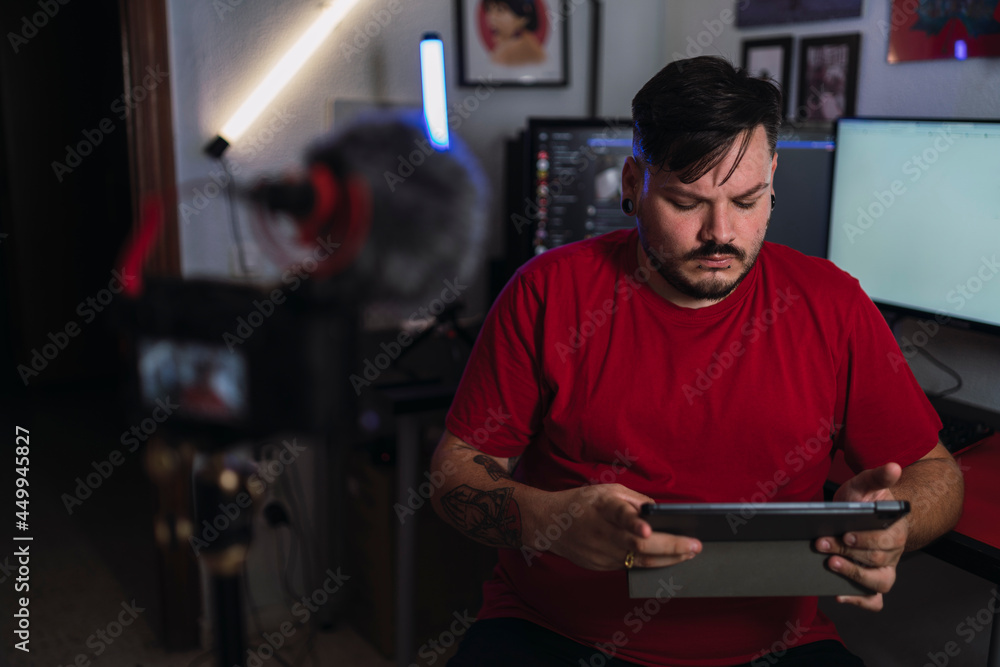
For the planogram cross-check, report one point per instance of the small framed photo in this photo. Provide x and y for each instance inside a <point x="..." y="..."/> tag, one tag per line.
<point x="512" y="42"/>
<point x="828" y="77"/>
<point x="770" y="58"/>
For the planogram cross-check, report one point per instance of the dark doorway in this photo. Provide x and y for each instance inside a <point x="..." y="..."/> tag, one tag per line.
<point x="64" y="191"/>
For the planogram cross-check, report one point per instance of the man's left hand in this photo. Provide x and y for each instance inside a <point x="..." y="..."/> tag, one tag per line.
<point x="868" y="557"/>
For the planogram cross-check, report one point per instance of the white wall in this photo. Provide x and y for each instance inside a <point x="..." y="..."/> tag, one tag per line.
<point x="633" y="49"/>
<point x="218" y="56"/>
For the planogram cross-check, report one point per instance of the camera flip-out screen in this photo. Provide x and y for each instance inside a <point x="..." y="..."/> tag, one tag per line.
<point x="208" y="381"/>
<point x="226" y="371"/>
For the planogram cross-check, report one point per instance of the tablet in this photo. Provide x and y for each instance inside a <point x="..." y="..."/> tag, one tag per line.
<point x="758" y="550"/>
<point x="729" y="522"/>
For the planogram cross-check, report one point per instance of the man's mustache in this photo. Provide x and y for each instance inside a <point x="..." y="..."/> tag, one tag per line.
<point x="709" y="250"/>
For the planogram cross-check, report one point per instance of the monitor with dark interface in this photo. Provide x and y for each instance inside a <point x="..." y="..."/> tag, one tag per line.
<point x="915" y="215"/>
<point x="570" y="186"/>
<point x="801" y="217"/>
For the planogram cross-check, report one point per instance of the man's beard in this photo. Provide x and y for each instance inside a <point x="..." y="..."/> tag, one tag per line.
<point x="707" y="289"/>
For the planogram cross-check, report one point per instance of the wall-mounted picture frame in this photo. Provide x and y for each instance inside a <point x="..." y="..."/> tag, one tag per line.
<point x="956" y="31"/>
<point x="775" y="12"/>
<point x="828" y="77"/>
<point x="512" y="42"/>
<point x="771" y="57"/>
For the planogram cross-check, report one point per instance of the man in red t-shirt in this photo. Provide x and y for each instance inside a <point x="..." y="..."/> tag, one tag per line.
<point x="683" y="361"/>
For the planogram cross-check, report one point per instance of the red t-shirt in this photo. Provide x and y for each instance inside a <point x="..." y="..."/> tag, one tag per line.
<point x="593" y="378"/>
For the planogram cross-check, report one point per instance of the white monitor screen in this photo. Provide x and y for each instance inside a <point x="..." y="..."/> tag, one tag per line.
<point x="915" y="214"/>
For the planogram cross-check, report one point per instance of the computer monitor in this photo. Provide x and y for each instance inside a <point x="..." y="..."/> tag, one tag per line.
<point x="570" y="184"/>
<point x="801" y="219"/>
<point x="915" y="215"/>
<point x="572" y="173"/>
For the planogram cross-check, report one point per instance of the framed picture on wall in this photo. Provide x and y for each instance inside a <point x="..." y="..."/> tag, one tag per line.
<point x="955" y="31"/>
<point x="828" y="77"/>
<point x="512" y="42"/>
<point x="773" y="12"/>
<point x="771" y="58"/>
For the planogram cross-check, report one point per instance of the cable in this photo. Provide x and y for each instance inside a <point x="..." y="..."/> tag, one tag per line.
<point x="255" y="614"/>
<point x="284" y="561"/>
<point x="231" y="198"/>
<point x="947" y="369"/>
<point x="307" y="555"/>
<point x="306" y="519"/>
<point x="934" y="360"/>
<point x="293" y="520"/>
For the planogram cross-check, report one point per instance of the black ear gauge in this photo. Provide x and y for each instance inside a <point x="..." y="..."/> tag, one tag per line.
<point x="773" y="202"/>
<point x="627" y="206"/>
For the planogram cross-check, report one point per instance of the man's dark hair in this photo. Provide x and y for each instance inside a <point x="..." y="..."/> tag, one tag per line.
<point x="525" y="9"/>
<point x="687" y="117"/>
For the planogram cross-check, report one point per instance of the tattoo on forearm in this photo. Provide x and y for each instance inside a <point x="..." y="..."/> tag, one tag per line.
<point x="495" y="470"/>
<point x="491" y="517"/>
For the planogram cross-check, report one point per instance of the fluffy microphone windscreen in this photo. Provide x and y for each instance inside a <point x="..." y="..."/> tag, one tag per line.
<point x="428" y="207"/>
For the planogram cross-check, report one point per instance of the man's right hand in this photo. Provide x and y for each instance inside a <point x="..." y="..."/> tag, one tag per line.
<point x="594" y="526"/>
<point x="603" y="527"/>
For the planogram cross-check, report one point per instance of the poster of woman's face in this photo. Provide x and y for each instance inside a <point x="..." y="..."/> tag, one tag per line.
<point x="512" y="42"/>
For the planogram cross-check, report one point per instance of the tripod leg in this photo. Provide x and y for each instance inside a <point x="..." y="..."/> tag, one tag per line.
<point x="219" y="485"/>
<point x="230" y="630"/>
